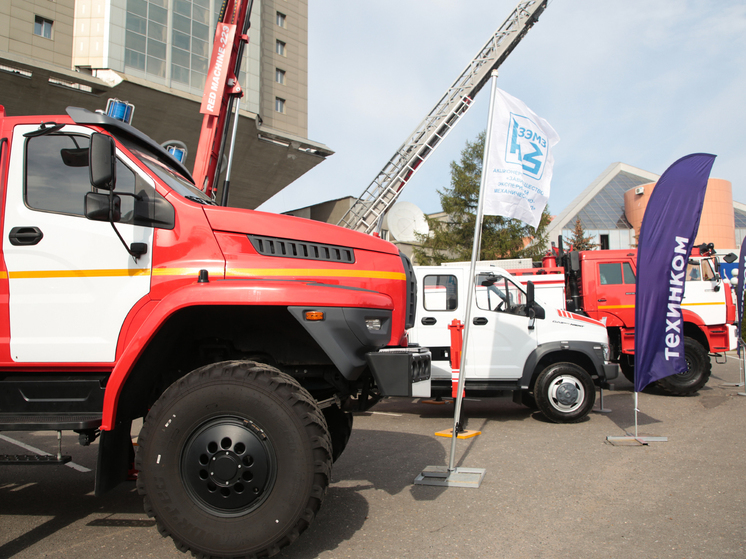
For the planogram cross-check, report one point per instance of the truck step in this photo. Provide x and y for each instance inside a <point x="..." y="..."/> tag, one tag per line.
<point x="58" y="422"/>
<point x="27" y="459"/>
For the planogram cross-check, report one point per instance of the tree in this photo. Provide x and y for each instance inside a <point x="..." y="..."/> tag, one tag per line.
<point x="579" y="240"/>
<point x="452" y="239"/>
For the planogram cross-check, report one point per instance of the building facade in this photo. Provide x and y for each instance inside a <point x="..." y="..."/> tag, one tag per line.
<point x="612" y="207"/>
<point x="155" y="54"/>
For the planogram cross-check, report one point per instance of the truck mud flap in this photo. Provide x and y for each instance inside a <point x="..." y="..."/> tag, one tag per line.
<point x="401" y="372"/>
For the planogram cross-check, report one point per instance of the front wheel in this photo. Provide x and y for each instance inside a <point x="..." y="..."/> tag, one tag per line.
<point x="698" y="369"/>
<point x="234" y="460"/>
<point x="565" y="393"/>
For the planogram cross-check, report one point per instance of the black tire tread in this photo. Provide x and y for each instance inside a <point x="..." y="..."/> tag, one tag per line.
<point x="669" y="384"/>
<point x="304" y="406"/>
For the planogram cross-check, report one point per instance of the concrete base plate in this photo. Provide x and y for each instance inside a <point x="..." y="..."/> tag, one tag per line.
<point x="459" y="477"/>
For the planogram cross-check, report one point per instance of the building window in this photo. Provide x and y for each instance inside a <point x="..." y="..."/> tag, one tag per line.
<point x="280" y="48"/>
<point x="279" y="105"/>
<point x="280" y="76"/>
<point x="604" y="242"/>
<point x="281" y="20"/>
<point x="43" y="27"/>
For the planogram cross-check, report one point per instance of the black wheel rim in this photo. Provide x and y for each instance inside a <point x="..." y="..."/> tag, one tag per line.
<point x="228" y="466"/>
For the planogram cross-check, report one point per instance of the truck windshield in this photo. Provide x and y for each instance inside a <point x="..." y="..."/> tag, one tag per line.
<point x="169" y="176"/>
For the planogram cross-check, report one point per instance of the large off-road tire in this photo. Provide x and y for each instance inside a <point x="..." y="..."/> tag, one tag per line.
<point x="234" y="460"/>
<point x="340" y="429"/>
<point x="565" y="393"/>
<point x="697" y="373"/>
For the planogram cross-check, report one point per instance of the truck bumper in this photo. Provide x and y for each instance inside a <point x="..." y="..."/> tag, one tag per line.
<point x="400" y="371"/>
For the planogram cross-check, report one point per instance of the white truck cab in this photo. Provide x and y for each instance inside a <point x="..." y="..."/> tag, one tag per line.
<point x="547" y="357"/>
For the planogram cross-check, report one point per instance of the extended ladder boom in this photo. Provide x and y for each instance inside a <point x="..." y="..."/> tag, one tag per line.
<point x="386" y="187"/>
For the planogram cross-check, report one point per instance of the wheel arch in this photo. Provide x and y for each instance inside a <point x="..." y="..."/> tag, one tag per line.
<point x="557" y="352"/>
<point x="694" y="331"/>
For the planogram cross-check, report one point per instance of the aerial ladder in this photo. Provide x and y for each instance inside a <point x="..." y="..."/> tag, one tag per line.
<point x="368" y="210"/>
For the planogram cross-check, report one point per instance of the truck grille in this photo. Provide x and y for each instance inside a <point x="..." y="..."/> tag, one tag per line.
<point x="287" y="248"/>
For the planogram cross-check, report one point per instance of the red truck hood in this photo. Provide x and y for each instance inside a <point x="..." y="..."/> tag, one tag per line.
<point x="251" y="222"/>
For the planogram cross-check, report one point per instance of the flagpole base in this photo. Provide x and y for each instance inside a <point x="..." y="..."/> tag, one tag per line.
<point x="601" y="408"/>
<point x="465" y="434"/>
<point x="435" y="402"/>
<point x="630" y="440"/>
<point x="440" y="476"/>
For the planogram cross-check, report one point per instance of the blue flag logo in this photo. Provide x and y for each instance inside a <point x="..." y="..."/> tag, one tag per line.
<point x="526" y="146"/>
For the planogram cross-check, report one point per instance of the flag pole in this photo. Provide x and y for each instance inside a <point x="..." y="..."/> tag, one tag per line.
<point x="452" y="476"/>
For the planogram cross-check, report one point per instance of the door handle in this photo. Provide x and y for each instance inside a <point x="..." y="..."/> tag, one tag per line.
<point x="25" y="236"/>
<point x="602" y="300"/>
<point x="428" y="321"/>
<point x="480" y="321"/>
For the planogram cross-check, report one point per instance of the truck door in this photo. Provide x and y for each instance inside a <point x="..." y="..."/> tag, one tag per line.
<point x="71" y="281"/>
<point x="499" y="338"/>
<point x="616" y="291"/>
<point x="703" y="292"/>
<point x="439" y="302"/>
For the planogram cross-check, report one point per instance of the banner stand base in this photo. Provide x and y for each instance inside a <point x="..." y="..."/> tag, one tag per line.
<point x="631" y="440"/>
<point x="601" y="408"/>
<point x="460" y="477"/>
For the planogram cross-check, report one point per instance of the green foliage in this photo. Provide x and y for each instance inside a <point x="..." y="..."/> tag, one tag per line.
<point x="579" y="240"/>
<point x="452" y="239"/>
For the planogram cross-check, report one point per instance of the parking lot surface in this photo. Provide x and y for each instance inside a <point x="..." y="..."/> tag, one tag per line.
<point x="550" y="491"/>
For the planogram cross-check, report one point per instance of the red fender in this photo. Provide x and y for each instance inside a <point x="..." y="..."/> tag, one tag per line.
<point x="228" y="292"/>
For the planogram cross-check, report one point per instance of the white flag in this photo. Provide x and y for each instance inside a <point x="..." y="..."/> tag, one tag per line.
<point x="518" y="166"/>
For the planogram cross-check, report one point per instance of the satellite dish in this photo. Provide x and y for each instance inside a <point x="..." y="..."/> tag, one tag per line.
<point x="404" y="220"/>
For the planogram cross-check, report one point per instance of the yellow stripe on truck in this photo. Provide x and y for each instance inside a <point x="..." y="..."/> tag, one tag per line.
<point x="607" y="307"/>
<point x="50" y="274"/>
<point x="235" y="273"/>
<point x="314" y="272"/>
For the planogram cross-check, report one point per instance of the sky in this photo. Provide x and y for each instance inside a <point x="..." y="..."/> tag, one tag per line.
<point x="643" y="82"/>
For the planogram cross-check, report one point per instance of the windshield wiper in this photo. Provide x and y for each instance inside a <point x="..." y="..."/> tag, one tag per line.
<point x="201" y="200"/>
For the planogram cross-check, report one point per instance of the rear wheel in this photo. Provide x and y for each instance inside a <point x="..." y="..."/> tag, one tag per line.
<point x="696" y="375"/>
<point x="234" y="460"/>
<point x="627" y="365"/>
<point x="565" y="393"/>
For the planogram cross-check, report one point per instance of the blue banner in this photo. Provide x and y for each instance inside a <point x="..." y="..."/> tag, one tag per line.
<point x="666" y="238"/>
<point x="739" y="290"/>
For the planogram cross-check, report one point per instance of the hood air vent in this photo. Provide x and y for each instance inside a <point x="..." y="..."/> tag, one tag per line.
<point x="272" y="246"/>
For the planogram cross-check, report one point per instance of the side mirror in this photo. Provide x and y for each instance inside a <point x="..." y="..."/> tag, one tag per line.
<point x="535" y="310"/>
<point x="98" y="206"/>
<point x="102" y="162"/>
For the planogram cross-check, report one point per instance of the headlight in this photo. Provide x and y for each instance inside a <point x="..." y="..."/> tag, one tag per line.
<point x="603" y="349"/>
<point x="373" y="324"/>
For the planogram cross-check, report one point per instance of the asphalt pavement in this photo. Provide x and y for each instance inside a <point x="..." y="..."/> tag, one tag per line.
<point x="550" y="491"/>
